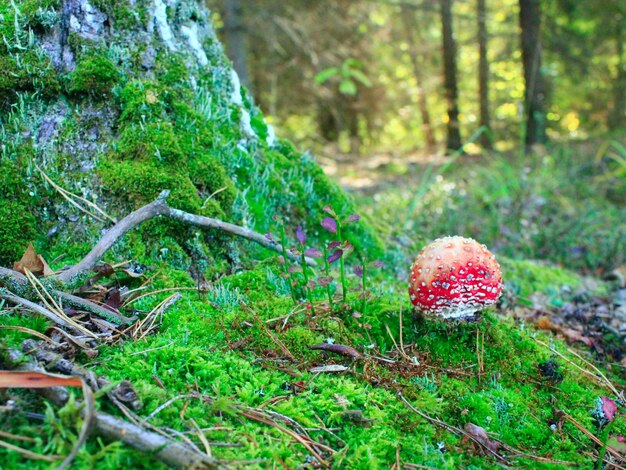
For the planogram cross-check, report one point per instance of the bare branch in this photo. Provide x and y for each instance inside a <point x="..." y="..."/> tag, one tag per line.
<point x="157" y="208"/>
<point x="14" y="299"/>
<point x="116" y="232"/>
<point x="90" y="306"/>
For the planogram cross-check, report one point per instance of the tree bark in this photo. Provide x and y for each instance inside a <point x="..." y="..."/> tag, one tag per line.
<point x="618" y="112"/>
<point x="408" y="16"/>
<point x="535" y="94"/>
<point x="235" y="38"/>
<point x="483" y="72"/>
<point x="449" y="74"/>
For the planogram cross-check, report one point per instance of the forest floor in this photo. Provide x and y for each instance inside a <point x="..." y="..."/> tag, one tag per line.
<point x="242" y="370"/>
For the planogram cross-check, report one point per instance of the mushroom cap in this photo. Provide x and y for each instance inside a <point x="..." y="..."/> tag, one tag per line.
<point x="454" y="277"/>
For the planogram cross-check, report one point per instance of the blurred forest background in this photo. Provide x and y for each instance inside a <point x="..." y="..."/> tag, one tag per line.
<point x="380" y="90"/>
<point x="403" y="76"/>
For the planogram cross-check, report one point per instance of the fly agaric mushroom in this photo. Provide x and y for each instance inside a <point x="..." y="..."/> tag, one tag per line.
<point x="454" y="277"/>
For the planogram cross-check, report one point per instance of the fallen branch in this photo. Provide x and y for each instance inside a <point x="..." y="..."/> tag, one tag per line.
<point x="170" y="452"/>
<point x="104" y="312"/>
<point x="159" y="207"/>
<point x="17" y="282"/>
<point x="14" y="299"/>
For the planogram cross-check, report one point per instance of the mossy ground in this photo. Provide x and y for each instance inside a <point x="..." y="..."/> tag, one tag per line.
<point x="213" y="345"/>
<point x="153" y="131"/>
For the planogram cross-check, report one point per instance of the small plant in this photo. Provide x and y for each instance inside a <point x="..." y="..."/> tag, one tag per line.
<point x="304" y="281"/>
<point x="287" y="273"/>
<point x="225" y="298"/>
<point x="360" y="271"/>
<point x="426" y="383"/>
<point x="349" y="75"/>
<point x="309" y="284"/>
<point x="340" y="248"/>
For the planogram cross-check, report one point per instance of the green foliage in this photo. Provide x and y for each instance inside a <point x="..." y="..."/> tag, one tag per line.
<point x="155" y="141"/>
<point x="18" y="226"/>
<point x="95" y="75"/>
<point x="349" y="75"/>
<point x="124" y="16"/>
<point x="549" y="207"/>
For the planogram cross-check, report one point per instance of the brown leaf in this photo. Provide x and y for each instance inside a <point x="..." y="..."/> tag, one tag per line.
<point x="37" y="380"/>
<point x="125" y="393"/>
<point x="544" y="323"/>
<point x="481" y="436"/>
<point x="571" y="336"/>
<point x="618" y="274"/>
<point x="114" y="298"/>
<point x="104" y="269"/>
<point x="340" y="349"/>
<point x="32" y="262"/>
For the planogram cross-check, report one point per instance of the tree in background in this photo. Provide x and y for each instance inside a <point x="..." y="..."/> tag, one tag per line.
<point x="483" y="71"/>
<point x="413" y="37"/>
<point x="617" y="117"/>
<point x="401" y="107"/>
<point x="236" y="41"/>
<point x="453" y="141"/>
<point x="535" y="91"/>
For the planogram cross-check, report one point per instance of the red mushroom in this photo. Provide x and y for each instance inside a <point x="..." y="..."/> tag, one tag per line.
<point x="454" y="277"/>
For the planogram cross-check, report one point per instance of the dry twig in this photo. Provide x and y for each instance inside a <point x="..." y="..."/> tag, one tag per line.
<point x="158" y="208"/>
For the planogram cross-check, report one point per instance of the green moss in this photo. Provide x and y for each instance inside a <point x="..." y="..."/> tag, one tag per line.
<point x="27" y="71"/>
<point x="95" y="75"/>
<point x="172" y="71"/>
<point x="141" y="182"/>
<point x="123" y="16"/>
<point x="40" y="14"/>
<point x="209" y="176"/>
<point x="143" y="100"/>
<point x="152" y="142"/>
<point x="524" y="278"/>
<point x="16" y="231"/>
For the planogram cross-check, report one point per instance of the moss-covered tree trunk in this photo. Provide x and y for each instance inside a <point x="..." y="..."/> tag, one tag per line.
<point x="118" y="100"/>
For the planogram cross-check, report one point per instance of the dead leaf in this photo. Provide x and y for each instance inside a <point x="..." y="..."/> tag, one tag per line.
<point x="609" y="408"/>
<point x="114" y="299"/>
<point x="126" y="393"/>
<point x="37" y="380"/>
<point x="572" y="335"/>
<point x="544" y="323"/>
<point x="356" y="416"/>
<point x="32" y="262"/>
<point x="481" y="436"/>
<point x="618" y="274"/>
<point x="104" y="269"/>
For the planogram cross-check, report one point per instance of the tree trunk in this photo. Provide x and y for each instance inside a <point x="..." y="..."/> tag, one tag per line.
<point x="449" y="73"/>
<point x="235" y="38"/>
<point x="408" y="16"/>
<point x="618" y="113"/>
<point x="483" y="72"/>
<point x="535" y="94"/>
